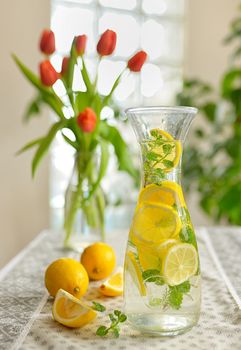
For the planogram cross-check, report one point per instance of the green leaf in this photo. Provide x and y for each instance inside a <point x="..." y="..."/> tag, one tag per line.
<point x="98" y="307"/>
<point x="187" y="235"/>
<point x="116" y="332"/>
<point x="175" y="298"/>
<point x="86" y="78"/>
<point x="209" y="110"/>
<point x="117" y="312"/>
<point x="103" y="167"/>
<point x="74" y="144"/>
<point x="184" y="287"/>
<point x="151" y="156"/>
<point x="44" y="145"/>
<point x="168" y="163"/>
<point x="112" y="318"/>
<point x="167" y="148"/>
<point x="102" y="331"/>
<point x="33" y="108"/>
<point x="82" y="100"/>
<point x="122" y="318"/>
<point x="152" y="275"/>
<point x="230" y="81"/>
<point x="47" y="93"/>
<point x="112" y="135"/>
<point x="30" y="145"/>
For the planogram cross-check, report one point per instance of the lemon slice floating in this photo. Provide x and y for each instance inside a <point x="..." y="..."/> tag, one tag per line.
<point x="155" y="222"/>
<point x="160" y="134"/>
<point x="168" y="192"/>
<point x="180" y="264"/>
<point x="70" y="311"/>
<point x="133" y="267"/>
<point x="113" y="286"/>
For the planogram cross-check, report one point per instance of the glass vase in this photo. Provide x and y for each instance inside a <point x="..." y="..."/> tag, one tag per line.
<point x="162" y="273"/>
<point x="84" y="204"/>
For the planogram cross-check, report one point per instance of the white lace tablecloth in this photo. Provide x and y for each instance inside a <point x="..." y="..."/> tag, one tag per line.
<point x="25" y="309"/>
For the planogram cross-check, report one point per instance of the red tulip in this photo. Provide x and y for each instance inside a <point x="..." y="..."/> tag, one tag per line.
<point x="64" y="67"/>
<point x="107" y="43"/>
<point x="80" y="44"/>
<point x="87" y="120"/>
<point x="136" y="62"/>
<point x="48" y="74"/>
<point x="47" y="42"/>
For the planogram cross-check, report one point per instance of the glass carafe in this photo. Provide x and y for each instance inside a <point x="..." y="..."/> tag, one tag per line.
<point x="162" y="273"/>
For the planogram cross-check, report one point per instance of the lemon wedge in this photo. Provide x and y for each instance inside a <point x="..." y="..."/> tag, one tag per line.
<point x="155" y="222"/>
<point x="113" y="286"/>
<point x="168" y="192"/>
<point x="132" y="266"/>
<point x="70" y="311"/>
<point x="180" y="263"/>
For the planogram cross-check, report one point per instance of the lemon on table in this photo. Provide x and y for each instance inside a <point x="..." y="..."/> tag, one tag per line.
<point x="113" y="286"/>
<point x="181" y="263"/>
<point x="70" y="311"/>
<point x="132" y="267"/>
<point x="99" y="260"/>
<point x="168" y="192"/>
<point x="155" y="222"/>
<point x="67" y="274"/>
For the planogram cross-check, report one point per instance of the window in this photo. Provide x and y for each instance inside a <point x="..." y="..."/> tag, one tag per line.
<point x="153" y="25"/>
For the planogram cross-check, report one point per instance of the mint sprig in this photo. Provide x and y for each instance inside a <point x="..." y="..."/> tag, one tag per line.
<point x="98" y="307"/>
<point x="175" y="295"/>
<point x="116" y="318"/>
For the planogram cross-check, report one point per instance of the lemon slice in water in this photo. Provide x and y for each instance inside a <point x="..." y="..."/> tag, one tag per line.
<point x="181" y="263"/>
<point x="155" y="222"/>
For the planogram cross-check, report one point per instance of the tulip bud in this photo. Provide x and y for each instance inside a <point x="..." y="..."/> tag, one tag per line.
<point x="86" y="120"/>
<point x="80" y="44"/>
<point x="136" y="62"/>
<point x="64" y="67"/>
<point x="48" y="74"/>
<point x="107" y="43"/>
<point x="47" y="42"/>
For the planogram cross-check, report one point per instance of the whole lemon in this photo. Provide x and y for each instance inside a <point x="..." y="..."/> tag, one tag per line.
<point x="67" y="274"/>
<point x="99" y="260"/>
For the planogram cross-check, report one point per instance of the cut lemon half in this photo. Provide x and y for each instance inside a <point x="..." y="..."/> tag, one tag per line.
<point x="155" y="222"/>
<point x="132" y="266"/>
<point x="168" y="192"/>
<point x="70" y="311"/>
<point x="180" y="264"/>
<point x="113" y="286"/>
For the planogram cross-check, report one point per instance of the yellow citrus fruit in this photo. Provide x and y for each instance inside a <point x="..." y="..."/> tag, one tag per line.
<point x="166" y="148"/>
<point x="70" y="311"/>
<point x="163" y="248"/>
<point x="67" y="274"/>
<point x="181" y="263"/>
<point x="113" y="286"/>
<point x="132" y="266"/>
<point x="155" y="222"/>
<point x="99" y="260"/>
<point x="168" y="192"/>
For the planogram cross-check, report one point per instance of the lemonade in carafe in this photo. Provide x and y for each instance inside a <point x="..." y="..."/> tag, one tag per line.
<point x="162" y="273"/>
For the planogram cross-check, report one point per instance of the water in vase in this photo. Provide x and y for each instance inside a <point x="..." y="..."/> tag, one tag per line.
<point x="162" y="272"/>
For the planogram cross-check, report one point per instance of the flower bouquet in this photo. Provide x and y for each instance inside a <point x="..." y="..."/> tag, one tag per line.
<point x="88" y="132"/>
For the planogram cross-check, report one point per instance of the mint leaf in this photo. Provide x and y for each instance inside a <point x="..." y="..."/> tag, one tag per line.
<point x="175" y="298"/>
<point x="122" y="318"/>
<point x="184" y="287"/>
<point x="168" y="163"/>
<point x="187" y="235"/>
<point x="152" y="275"/>
<point x="167" y="148"/>
<point x="102" y="331"/>
<point x="152" y="156"/>
<point x="98" y="307"/>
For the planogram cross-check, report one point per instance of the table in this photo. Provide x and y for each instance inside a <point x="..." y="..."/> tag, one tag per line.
<point x="25" y="308"/>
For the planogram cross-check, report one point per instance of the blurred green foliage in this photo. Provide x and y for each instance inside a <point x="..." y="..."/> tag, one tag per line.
<point x="212" y="159"/>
